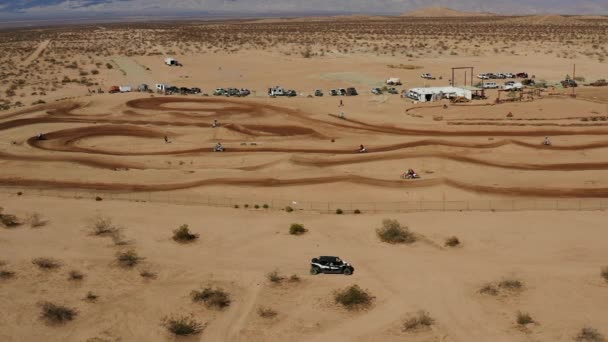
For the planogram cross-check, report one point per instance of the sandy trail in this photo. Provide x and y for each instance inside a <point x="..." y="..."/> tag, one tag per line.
<point x="39" y="50"/>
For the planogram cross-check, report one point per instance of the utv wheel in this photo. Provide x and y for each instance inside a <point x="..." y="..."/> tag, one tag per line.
<point x="348" y="271"/>
<point x="314" y="271"/>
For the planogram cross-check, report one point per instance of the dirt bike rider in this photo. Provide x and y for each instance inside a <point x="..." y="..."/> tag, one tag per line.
<point x="547" y="142"/>
<point x="362" y="149"/>
<point x="218" y="147"/>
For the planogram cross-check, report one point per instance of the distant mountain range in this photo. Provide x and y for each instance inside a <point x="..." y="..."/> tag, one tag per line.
<point x="54" y="8"/>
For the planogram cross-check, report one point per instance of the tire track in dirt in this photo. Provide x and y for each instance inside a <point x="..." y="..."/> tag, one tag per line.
<point x="554" y="192"/>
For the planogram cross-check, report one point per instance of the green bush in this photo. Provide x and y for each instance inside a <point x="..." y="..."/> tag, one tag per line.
<point x="452" y="241"/>
<point x="297" y="229"/>
<point x="353" y="298"/>
<point x="339" y="211"/>
<point x="57" y="314"/>
<point x="392" y="232"/>
<point x="265" y="206"/>
<point x="357" y="211"/>
<point x="128" y="259"/>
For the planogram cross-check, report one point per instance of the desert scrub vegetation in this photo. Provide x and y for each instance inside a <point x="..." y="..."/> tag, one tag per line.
<point x="57" y="314"/>
<point x="265" y="312"/>
<point x="523" y="318"/>
<point x="421" y="320"/>
<point x="128" y="259"/>
<point x="183" y="234"/>
<point x="182" y="325"/>
<point x="46" y="263"/>
<point x="75" y="275"/>
<point x="8" y="220"/>
<point x="393" y="232"/>
<point x="35" y="220"/>
<point x="147" y="274"/>
<point x="5" y="274"/>
<point x="353" y="298"/>
<point x="589" y="334"/>
<point x="91" y="297"/>
<point x="505" y="286"/>
<point x="297" y="229"/>
<point x="604" y="273"/>
<point x="288" y="209"/>
<point x="274" y="277"/>
<point x="103" y="226"/>
<point x="452" y="241"/>
<point x="212" y="298"/>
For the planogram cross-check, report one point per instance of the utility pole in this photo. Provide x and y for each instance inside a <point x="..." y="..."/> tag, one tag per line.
<point x="574" y="80"/>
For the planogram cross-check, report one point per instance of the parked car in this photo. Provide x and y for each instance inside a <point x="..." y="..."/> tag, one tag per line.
<point x="509" y="75"/>
<point x="528" y="82"/>
<point x="513" y="86"/>
<point x="427" y="76"/>
<point x="393" y="81"/>
<point x="291" y="93"/>
<point x="334" y="92"/>
<point x="342" y="91"/>
<point x="599" y="83"/>
<point x="376" y="91"/>
<point x="318" y="92"/>
<point x="522" y="75"/>
<point x="490" y="85"/>
<point x="114" y="89"/>
<point x="330" y="265"/>
<point x="244" y="92"/>
<point x="569" y="83"/>
<point x="195" y="90"/>
<point x="351" y="92"/>
<point x="483" y="76"/>
<point x="218" y="92"/>
<point x="393" y="91"/>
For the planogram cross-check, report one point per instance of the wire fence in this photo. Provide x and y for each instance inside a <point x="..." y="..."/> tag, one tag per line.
<point x="519" y="204"/>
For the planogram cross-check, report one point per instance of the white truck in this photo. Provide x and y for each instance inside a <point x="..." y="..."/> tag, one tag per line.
<point x="125" y="89"/>
<point x="393" y="81"/>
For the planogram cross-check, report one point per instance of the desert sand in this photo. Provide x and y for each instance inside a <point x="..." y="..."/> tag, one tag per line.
<point x="523" y="211"/>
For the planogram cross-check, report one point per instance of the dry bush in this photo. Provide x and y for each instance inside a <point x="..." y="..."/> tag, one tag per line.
<point x="589" y="334"/>
<point x="75" y="275"/>
<point x="604" y="273"/>
<point x="183" y="235"/>
<point x="489" y="289"/>
<point x="353" y="298"/>
<point x="57" y="314"/>
<point x="128" y="259"/>
<point x="4" y="274"/>
<point x="267" y="312"/>
<point x="511" y="284"/>
<point x="297" y="229"/>
<point x="146" y="274"/>
<point x="8" y="220"/>
<point x="421" y="320"/>
<point x="288" y="209"/>
<point x="452" y="241"/>
<point x="183" y="325"/>
<point x="103" y="226"/>
<point x="524" y="318"/>
<point x="294" y="278"/>
<point x="35" y="220"/>
<point x="91" y="297"/>
<point x="274" y="277"/>
<point x="46" y="263"/>
<point x="213" y="298"/>
<point x="392" y="232"/>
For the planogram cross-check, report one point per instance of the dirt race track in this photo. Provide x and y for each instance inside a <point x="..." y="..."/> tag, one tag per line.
<point x="275" y="146"/>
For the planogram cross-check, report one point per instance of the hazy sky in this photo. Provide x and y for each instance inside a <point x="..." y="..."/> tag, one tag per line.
<point x="21" y="8"/>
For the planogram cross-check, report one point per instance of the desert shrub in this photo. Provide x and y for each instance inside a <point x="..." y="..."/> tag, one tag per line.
<point x="421" y="320"/>
<point x="128" y="259"/>
<point x="393" y="232"/>
<point x="339" y="211"/>
<point x="4" y="274"/>
<point x="75" y="275"/>
<point x="46" y="263"/>
<point x="353" y="298"/>
<point x="109" y="66"/>
<point x="511" y="284"/>
<point x="103" y="226"/>
<point x="118" y="238"/>
<point x="604" y="273"/>
<point x="452" y="241"/>
<point x="256" y="206"/>
<point x="274" y="277"/>
<point x="91" y="297"/>
<point x="98" y="198"/>
<point x="183" y="325"/>
<point x="183" y="235"/>
<point x="357" y="211"/>
<point x="246" y="206"/>
<point x="8" y="220"/>
<point x="297" y="229"/>
<point x="524" y="318"/>
<point x="288" y="209"/>
<point x="489" y="289"/>
<point x="94" y="72"/>
<point x="35" y="220"/>
<point x="267" y="312"/>
<point x="294" y="278"/>
<point x="57" y="314"/>
<point x="213" y="298"/>
<point x="265" y="206"/>
<point x="589" y="334"/>
<point x="147" y="274"/>
<point x="236" y="206"/>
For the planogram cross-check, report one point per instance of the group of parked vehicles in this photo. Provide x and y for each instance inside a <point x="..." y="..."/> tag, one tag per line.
<point x="380" y="91"/>
<point x="231" y="92"/>
<point x="491" y="76"/>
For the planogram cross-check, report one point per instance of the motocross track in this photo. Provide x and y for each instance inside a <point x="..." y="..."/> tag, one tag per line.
<point x="145" y="121"/>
